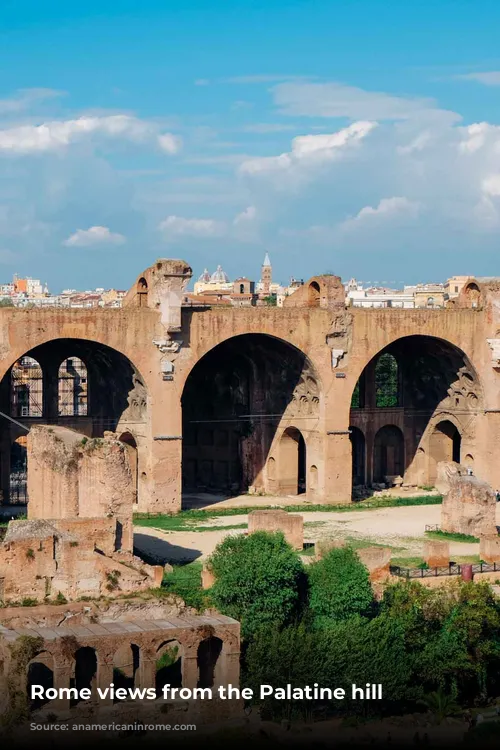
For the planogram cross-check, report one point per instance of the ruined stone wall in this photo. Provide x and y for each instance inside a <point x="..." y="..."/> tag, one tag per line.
<point x="338" y="343"/>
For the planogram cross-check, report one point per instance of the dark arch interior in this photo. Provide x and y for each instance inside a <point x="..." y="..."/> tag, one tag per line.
<point x="168" y="666"/>
<point x="402" y="389"/>
<point x="40" y="673"/>
<point x="85" y="669"/>
<point x="104" y="389"/>
<point x="209" y="651"/>
<point x="233" y="401"/>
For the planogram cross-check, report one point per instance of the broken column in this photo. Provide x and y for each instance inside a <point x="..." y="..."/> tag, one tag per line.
<point x="291" y="524"/>
<point x="469" y="507"/>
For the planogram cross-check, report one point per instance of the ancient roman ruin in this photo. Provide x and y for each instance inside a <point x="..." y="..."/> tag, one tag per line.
<point x="107" y="412"/>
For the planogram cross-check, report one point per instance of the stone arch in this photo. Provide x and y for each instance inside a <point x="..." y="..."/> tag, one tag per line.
<point x="72" y="388"/>
<point x="472" y="295"/>
<point x="40" y="671"/>
<point x="168" y="665"/>
<point x="236" y="400"/>
<point x="388" y="453"/>
<point x="435" y="381"/>
<point x="358" y="446"/>
<point x="292" y="462"/>
<point x="314" y="294"/>
<point x="116" y="399"/>
<point x="444" y="445"/>
<point x="209" y="662"/>
<point x="126" y="664"/>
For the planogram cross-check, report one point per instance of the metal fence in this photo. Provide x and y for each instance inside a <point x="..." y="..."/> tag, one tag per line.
<point x="450" y="570"/>
<point x="432" y="527"/>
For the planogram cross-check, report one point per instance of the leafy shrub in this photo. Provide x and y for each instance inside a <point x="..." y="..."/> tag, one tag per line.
<point x="339" y="587"/>
<point x="257" y="580"/>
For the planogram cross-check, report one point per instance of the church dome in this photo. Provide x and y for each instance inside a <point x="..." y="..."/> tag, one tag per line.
<point x="219" y="276"/>
<point x="205" y="276"/>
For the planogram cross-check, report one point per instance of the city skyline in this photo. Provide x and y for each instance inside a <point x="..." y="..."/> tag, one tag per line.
<point x="342" y="139"/>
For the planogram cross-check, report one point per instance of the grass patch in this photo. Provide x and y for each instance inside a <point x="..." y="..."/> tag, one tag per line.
<point x="451" y="536"/>
<point x="185" y="581"/>
<point x="408" y="562"/>
<point x="189" y="520"/>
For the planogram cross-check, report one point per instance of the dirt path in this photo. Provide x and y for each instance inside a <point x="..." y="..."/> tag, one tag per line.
<point x="401" y="528"/>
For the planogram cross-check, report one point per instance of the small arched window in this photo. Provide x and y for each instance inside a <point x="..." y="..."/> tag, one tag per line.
<point x="242" y="289"/>
<point x="314" y="294"/>
<point x="430" y="301"/>
<point x="73" y="388"/>
<point x="386" y="382"/>
<point x="142" y="292"/>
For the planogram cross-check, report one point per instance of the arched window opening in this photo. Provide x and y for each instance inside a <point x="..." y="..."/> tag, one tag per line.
<point x="472" y="295"/>
<point x="73" y="388"/>
<point x="142" y="292"/>
<point x="26" y="388"/>
<point x="168" y="666"/>
<point x="18" y="479"/>
<point x="209" y="652"/>
<point x="386" y="382"/>
<point x="292" y="462"/>
<point x="314" y="294"/>
<point x="40" y="672"/>
<point x="388" y="460"/>
<point x="430" y="302"/>
<point x="242" y="289"/>
<point x="125" y="666"/>
<point x="446" y="442"/>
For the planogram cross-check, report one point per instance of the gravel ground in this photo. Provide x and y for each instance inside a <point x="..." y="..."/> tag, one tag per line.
<point x="402" y="528"/>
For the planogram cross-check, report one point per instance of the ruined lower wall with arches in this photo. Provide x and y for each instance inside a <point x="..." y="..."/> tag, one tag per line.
<point x="186" y="651"/>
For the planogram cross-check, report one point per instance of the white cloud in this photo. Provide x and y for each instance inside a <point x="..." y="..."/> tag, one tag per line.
<point x="178" y="226"/>
<point x="245" y="216"/>
<point x="94" y="236"/>
<point x="387" y="207"/>
<point x="169" y="143"/>
<point x="24" y="99"/>
<point x="58" y="134"/>
<point x="488" y="78"/>
<point x="337" y="100"/>
<point x="491" y="185"/>
<point x="310" y="149"/>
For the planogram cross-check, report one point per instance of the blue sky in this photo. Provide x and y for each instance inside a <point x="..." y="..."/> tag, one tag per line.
<point x="360" y="138"/>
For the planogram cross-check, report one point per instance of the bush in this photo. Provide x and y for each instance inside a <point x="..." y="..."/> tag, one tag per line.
<point x="339" y="587"/>
<point x="257" y="580"/>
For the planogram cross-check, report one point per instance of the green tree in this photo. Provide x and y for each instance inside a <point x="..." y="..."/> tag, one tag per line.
<point x="6" y="302"/>
<point x="440" y="704"/>
<point x="339" y="587"/>
<point x="386" y="381"/>
<point x="257" y="580"/>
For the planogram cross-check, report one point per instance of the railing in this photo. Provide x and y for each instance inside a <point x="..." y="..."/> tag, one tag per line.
<point x="432" y="527"/>
<point x="450" y="570"/>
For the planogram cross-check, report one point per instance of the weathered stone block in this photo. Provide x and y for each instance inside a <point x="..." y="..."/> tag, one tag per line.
<point x="446" y="470"/>
<point x="436" y="553"/>
<point x="207" y="577"/>
<point x="377" y="560"/>
<point x="489" y="548"/>
<point x="469" y="507"/>
<point x="324" y="546"/>
<point x="291" y="524"/>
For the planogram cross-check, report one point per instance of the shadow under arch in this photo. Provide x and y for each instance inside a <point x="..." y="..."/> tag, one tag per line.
<point x="233" y="402"/>
<point x="427" y="380"/>
<point x="116" y="395"/>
